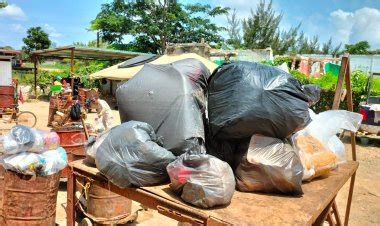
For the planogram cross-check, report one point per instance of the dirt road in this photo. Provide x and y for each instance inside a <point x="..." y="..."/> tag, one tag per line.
<point x="366" y="200"/>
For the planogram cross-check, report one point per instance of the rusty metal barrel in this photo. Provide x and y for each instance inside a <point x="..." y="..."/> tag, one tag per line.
<point x="30" y="200"/>
<point x="106" y="207"/>
<point x="2" y="184"/>
<point x="73" y="141"/>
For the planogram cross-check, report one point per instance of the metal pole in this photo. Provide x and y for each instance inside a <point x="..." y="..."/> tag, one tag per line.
<point x="35" y="58"/>
<point x="72" y="69"/>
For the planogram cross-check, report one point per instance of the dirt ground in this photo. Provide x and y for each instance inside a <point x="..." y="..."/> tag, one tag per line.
<point x="366" y="200"/>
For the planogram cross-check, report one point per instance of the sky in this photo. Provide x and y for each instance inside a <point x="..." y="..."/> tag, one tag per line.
<point x="67" y="21"/>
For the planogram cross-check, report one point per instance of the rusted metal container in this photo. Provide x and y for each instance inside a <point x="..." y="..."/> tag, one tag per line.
<point x="7" y="96"/>
<point x="30" y="200"/>
<point x="73" y="141"/>
<point x="2" y="172"/>
<point x="105" y="207"/>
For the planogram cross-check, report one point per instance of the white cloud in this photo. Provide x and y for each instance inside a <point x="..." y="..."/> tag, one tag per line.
<point x="52" y="31"/>
<point x="352" y="27"/>
<point x="13" y="12"/>
<point x="18" y="28"/>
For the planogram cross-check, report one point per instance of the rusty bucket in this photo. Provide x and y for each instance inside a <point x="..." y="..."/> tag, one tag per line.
<point x="2" y="172"/>
<point x="73" y="141"/>
<point x="29" y="200"/>
<point x="106" y="207"/>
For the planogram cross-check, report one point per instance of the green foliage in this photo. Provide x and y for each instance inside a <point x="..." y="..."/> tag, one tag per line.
<point x="328" y="83"/>
<point x="261" y="28"/>
<point x="36" y="39"/>
<point x="283" y="59"/>
<point x="152" y="24"/>
<point x="233" y="29"/>
<point x="361" y="47"/>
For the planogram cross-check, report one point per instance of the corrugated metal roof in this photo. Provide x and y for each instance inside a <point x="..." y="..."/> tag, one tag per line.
<point x="86" y="53"/>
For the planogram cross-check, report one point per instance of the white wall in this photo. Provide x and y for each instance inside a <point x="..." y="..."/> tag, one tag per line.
<point x="5" y="73"/>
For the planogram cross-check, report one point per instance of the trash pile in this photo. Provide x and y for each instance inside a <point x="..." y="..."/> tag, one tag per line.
<point x="246" y="126"/>
<point x="32" y="152"/>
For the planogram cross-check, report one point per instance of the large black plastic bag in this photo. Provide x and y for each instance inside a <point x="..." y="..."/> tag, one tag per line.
<point x="129" y="155"/>
<point x="201" y="179"/>
<point x="170" y="99"/>
<point x="247" y="98"/>
<point x="270" y="165"/>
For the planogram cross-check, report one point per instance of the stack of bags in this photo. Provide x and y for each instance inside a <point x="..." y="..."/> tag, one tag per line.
<point x="251" y="119"/>
<point x="259" y="122"/>
<point x="32" y="152"/>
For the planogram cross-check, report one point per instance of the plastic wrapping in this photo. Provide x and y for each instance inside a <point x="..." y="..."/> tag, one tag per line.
<point x="22" y="138"/>
<point x="202" y="179"/>
<point x="92" y="147"/>
<point x="247" y="98"/>
<point x="270" y="165"/>
<point x="170" y="98"/>
<point x="129" y="155"/>
<point x="319" y="147"/>
<point x="24" y="163"/>
<point x="53" y="161"/>
<point x="42" y="164"/>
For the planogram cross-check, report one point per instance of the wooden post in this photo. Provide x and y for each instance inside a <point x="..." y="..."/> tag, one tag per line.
<point x="338" y="89"/>
<point x="72" y="69"/>
<point x="344" y="75"/>
<point x="35" y="58"/>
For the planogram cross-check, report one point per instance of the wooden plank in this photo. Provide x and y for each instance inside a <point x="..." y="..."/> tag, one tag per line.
<point x="342" y="74"/>
<point x="258" y="208"/>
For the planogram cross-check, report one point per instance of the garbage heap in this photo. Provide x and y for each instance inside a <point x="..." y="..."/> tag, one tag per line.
<point x="246" y="126"/>
<point x="33" y="160"/>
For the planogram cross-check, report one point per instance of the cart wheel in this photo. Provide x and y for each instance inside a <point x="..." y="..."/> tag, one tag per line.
<point x="26" y="118"/>
<point x="86" y="222"/>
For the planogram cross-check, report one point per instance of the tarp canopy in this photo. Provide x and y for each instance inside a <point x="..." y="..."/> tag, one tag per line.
<point x="117" y="73"/>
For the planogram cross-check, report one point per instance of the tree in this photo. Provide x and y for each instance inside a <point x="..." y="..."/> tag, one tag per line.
<point x="361" y="47"/>
<point x="153" y="24"/>
<point x="285" y="41"/>
<point x="233" y="29"/>
<point x="36" y="39"/>
<point x="260" y="30"/>
<point x="327" y="47"/>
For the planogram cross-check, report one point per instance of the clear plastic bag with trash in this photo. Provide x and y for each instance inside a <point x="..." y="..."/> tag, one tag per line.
<point x="319" y="147"/>
<point x="270" y="165"/>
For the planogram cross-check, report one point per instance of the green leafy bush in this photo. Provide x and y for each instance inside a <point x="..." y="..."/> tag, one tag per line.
<point x="328" y="83"/>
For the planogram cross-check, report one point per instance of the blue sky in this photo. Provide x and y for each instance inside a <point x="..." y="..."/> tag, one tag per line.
<point x="66" y="21"/>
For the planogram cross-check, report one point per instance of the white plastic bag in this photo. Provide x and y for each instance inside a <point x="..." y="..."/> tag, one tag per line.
<point x="24" y="163"/>
<point x="53" y="161"/>
<point x="318" y="141"/>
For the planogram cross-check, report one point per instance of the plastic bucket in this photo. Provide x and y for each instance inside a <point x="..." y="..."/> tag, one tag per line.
<point x="29" y="200"/>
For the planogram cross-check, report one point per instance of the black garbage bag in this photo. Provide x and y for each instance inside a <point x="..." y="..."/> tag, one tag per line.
<point x="75" y="112"/>
<point x="247" y="98"/>
<point x="270" y="165"/>
<point x="201" y="179"/>
<point x="170" y="98"/>
<point x="130" y="155"/>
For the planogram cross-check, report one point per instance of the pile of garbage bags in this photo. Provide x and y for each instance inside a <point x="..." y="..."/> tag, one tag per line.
<point x="246" y="126"/>
<point x="32" y="152"/>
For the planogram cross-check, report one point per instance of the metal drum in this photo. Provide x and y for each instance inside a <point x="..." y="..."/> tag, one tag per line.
<point x="105" y="207"/>
<point x="73" y="141"/>
<point x="2" y="172"/>
<point x="30" y="200"/>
